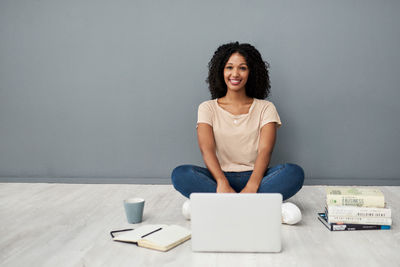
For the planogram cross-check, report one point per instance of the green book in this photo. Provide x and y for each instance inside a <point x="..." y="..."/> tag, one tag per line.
<point x="355" y="196"/>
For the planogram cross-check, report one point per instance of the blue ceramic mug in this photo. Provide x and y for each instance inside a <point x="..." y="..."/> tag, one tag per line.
<point x="134" y="209"/>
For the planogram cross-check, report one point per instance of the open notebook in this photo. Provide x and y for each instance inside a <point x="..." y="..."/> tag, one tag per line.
<point x="155" y="236"/>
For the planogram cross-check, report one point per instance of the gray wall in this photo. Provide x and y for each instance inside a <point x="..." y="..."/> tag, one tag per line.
<point x="107" y="91"/>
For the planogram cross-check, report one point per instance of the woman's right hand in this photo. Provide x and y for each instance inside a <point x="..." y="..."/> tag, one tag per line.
<point x="224" y="187"/>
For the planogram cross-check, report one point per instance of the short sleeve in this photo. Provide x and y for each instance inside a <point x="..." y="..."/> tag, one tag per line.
<point x="270" y="114"/>
<point x="204" y="114"/>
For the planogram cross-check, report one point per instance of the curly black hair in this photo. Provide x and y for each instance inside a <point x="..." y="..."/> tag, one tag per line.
<point x="258" y="84"/>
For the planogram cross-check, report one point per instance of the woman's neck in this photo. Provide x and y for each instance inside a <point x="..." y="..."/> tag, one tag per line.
<point x="236" y="98"/>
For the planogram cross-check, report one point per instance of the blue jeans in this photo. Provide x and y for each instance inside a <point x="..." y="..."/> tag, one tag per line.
<point x="286" y="179"/>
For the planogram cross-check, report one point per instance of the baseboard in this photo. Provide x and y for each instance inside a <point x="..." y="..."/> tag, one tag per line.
<point x="355" y="181"/>
<point x="76" y="180"/>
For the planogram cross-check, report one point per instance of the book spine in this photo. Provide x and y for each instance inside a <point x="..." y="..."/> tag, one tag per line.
<point x="359" y="220"/>
<point x="359" y="201"/>
<point x="355" y="227"/>
<point x="353" y="211"/>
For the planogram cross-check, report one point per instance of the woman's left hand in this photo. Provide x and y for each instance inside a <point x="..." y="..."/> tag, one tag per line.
<point x="249" y="189"/>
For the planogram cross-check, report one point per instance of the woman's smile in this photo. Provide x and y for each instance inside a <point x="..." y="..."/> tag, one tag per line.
<point x="235" y="81"/>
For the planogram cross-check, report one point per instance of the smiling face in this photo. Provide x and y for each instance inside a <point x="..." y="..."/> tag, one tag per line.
<point x="236" y="72"/>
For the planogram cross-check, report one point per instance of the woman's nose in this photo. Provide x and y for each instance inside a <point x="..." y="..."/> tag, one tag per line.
<point x="235" y="72"/>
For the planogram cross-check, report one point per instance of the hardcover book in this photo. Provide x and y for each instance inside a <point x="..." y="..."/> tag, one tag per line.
<point x="355" y="196"/>
<point x="349" y="227"/>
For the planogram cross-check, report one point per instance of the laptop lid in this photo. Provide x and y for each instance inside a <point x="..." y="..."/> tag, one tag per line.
<point x="236" y="222"/>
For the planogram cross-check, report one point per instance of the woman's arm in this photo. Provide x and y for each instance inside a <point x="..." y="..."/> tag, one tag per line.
<point x="265" y="148"/>
<point x="205" y="137"/>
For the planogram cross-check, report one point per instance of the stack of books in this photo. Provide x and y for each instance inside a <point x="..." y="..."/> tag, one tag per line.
<point x="355" y="208"/>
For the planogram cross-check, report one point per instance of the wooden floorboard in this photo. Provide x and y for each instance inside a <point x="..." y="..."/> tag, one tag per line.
<point x="69" y="224"/>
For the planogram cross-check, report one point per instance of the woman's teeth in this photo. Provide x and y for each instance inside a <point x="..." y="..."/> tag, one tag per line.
<point x="235" y="82"/>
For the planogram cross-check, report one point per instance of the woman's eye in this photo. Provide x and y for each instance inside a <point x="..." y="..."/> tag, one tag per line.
<point x="229" y="67"/>
<point x="243" y="68"/>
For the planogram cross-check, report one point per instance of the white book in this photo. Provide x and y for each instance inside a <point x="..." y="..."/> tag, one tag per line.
<point x="155" y="236"/>
<point x="354" y="211"/>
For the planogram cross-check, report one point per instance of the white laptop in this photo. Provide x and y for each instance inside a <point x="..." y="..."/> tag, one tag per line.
<point x="236" y="222"/>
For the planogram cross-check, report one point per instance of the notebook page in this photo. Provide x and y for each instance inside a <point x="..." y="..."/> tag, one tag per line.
<point x="135" y="235"/>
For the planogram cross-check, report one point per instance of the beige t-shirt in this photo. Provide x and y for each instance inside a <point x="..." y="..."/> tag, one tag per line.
<point x="237" y="136"/>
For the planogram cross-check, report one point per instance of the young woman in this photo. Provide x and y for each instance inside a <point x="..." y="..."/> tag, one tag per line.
<point x="236" y="132"/>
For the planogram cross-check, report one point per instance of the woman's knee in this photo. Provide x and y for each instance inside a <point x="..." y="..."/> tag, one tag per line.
<point x="179" y="173"/>
<point x="296" y="174"/>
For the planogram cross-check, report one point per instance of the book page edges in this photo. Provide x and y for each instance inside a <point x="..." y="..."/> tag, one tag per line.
<point x="148" y="244"/>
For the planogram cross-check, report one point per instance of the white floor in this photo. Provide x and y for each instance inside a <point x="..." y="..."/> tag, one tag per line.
<point x="69" y="224"/>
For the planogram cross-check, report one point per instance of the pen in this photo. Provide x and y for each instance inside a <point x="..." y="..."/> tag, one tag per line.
<point x="152" y="232"/>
